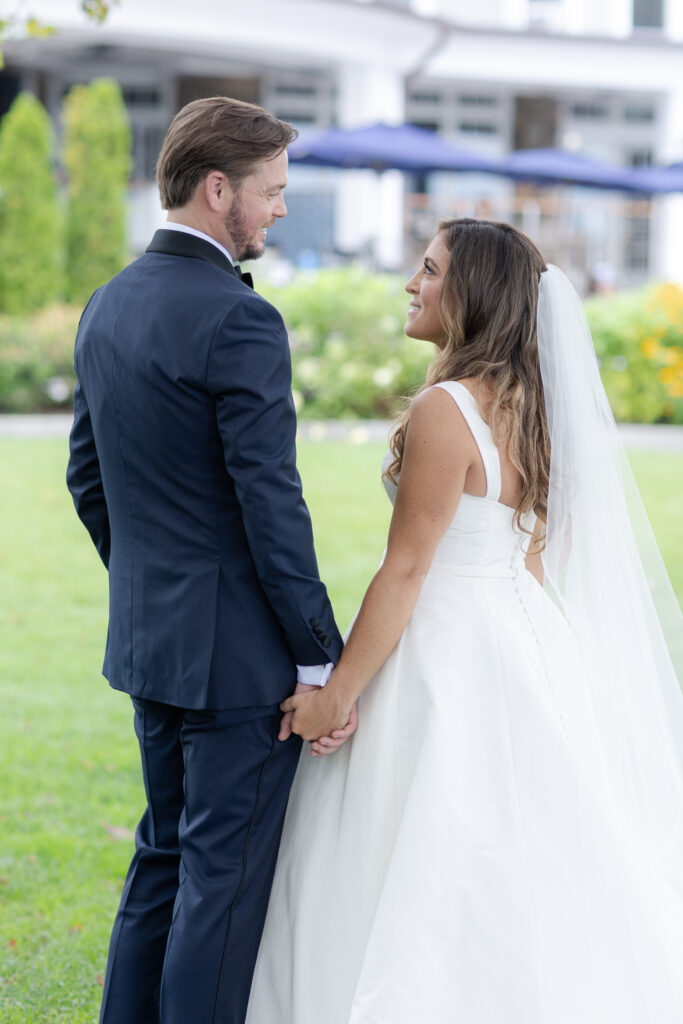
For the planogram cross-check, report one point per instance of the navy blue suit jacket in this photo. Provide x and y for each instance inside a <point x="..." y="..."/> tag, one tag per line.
<point x="182" y="468"/>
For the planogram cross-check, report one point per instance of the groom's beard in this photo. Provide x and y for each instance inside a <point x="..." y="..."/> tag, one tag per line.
<point x="246" y="247"/>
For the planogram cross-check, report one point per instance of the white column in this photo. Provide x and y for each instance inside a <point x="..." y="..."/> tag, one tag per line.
<point x="369" y="209"/>
<point x="667" y="250"/>
<point x="673" y="19"/>
<point x="514" y="14"/>
<point x="618" y="16"/>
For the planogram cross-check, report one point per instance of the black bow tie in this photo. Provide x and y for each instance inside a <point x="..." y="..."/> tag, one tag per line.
<point x="245" y="277"/>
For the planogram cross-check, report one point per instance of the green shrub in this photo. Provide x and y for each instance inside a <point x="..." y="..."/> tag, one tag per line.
<point x="349" y="353"/>
<point x="351" y="359"/>
<point x="639" y="340"/>
<point x="30" y="225"/>
<point x="97" y="157"/>
<point x="36" y="360"/>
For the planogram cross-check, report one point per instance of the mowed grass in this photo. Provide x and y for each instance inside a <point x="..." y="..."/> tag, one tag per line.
<point x="69" y="768"/>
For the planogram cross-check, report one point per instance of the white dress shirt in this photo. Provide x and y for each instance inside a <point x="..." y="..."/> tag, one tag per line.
<point x="171" y="225"/>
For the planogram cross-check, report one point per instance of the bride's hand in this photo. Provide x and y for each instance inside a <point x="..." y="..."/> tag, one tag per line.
<point x="317" y="714"/>
<point x="328" y="744"/>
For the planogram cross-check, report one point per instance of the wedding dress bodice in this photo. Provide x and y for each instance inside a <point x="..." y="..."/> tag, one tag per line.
<point x="481" y="539"/>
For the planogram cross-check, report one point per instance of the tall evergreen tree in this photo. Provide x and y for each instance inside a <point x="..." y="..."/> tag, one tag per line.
<point x="97" y="156"/>
<point x="30" y="224"/>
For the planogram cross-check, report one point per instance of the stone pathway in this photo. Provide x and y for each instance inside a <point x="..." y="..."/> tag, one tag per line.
<point x="646" y="437"/>
<point x="54" y="425"/>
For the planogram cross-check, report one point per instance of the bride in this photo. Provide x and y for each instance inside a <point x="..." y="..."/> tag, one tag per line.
<point x="501" y="842"/>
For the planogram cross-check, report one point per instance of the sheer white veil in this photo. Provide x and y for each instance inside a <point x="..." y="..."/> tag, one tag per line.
<point x="603" y="568"/>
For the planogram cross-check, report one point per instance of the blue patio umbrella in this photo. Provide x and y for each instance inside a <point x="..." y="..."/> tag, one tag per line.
<point x="660" y="179"/>
<point x="383" y="147"/>
<point x="557" y="166"/>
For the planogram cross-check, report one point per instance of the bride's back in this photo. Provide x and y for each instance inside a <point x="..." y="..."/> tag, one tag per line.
<point x="481" y="538"/>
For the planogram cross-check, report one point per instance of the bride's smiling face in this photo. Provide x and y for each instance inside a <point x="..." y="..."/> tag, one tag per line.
<point x="424" y="288"/>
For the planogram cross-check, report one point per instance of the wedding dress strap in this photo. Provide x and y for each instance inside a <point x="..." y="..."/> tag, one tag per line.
<point x="481" y="433"/>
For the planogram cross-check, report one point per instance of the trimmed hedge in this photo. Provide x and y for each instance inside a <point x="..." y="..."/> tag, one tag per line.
<point x="30" y="218"/>
<point x="97" y="141"/>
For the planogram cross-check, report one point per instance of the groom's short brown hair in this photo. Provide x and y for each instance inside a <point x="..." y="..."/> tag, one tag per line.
<point x="216" y="134"/>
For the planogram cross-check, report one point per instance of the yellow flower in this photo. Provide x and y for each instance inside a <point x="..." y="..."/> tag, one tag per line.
<point x="667" y="300"/>
<point x="650" y="348"/>
<point x="672" y="379"/>
<point x="672" y="356"/>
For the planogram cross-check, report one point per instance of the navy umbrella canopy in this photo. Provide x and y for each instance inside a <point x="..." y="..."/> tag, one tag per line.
<point x="661" y="179"/>
<point x="557" y="166"/>
<point x="382" y="147"/>
<point x="405" y="147"/>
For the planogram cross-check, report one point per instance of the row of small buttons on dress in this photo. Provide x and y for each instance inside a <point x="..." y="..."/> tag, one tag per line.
<point x="320" y="633"/>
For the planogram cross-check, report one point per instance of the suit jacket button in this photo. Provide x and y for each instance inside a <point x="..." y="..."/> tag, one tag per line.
<point x="327" y="642"/>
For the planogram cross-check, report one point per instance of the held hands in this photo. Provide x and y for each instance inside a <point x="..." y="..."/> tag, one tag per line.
<point x="328" y="744"/>
<point x="322" y="715"/>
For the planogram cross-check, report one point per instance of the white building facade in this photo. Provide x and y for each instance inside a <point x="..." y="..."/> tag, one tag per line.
<point x="600" y="77"/>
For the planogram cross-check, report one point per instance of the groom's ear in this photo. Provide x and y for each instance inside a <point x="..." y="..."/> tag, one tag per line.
<point x="218" y="192"/>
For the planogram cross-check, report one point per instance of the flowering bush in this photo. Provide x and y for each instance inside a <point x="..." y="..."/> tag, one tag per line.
<point x="351" y="359"/>
<point x="639" y="340"/>
<point x="349" y="353"/>
<point x="36" y="360"/>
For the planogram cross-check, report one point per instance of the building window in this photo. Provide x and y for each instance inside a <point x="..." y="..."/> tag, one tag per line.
<point x="285" y="89"/>
<point x="639" y="157"/>
<point x="636" y="113"/>
<point x="648" y="13"/>
<point x="147" y="142"/>
<point x="424" y="97"/>
<point x="589" y="111"/>
<point x="429" y="126"/>
<point x="637" y="243"/>
<point x="141" y="96"/>
<point x="478" y="101"/>
<point x="477" y="128"/>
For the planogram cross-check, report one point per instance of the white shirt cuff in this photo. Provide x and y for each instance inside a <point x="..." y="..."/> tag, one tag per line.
<point x="314" y="675"/>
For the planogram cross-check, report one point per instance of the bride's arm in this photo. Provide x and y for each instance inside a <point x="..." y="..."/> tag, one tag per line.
<point x="439" y="450"/>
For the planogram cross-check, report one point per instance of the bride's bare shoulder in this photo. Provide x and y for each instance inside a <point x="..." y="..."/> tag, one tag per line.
<point x="437" y="423"/>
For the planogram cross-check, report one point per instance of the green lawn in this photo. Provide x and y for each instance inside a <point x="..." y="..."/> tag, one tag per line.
<point x="69" y="773"/>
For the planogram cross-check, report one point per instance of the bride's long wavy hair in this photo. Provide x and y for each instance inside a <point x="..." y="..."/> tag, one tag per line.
<point x="488" y="304"/>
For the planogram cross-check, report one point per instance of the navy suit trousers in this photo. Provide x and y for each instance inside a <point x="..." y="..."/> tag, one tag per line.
<point x="189" y="924"/>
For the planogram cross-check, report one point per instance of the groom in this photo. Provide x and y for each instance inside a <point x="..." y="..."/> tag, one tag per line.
<point x="182" y="468"/>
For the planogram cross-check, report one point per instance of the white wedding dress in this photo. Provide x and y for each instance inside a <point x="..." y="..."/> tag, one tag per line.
<point x="428" y="872"/>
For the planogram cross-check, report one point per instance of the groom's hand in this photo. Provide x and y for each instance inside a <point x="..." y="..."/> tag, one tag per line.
<point x="286" y="723"/>
<point x="324" y="744"/>
<point x="318" y="714"/>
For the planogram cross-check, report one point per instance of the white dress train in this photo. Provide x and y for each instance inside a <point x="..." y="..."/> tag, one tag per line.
<point x="428" y="874"/>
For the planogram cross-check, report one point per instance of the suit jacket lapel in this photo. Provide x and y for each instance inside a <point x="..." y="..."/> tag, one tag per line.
<point x="179" y="243"/>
